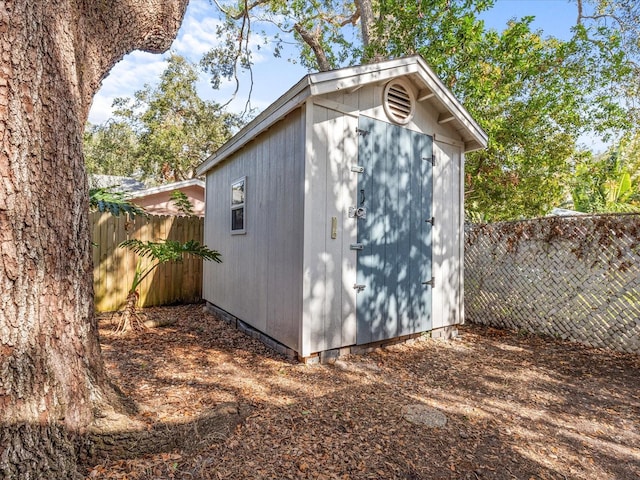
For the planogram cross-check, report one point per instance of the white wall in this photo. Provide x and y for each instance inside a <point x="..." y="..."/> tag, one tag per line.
<point x="329" y="264"/>
<point x="448" y="235"/>
<point x="286" y="276"/>
<point x="330" y="188"/>
<point x="260" y="279"/>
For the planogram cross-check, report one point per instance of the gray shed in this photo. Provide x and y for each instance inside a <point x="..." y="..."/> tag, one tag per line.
<point x="339" y="210"/>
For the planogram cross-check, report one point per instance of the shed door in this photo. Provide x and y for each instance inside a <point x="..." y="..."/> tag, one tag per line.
<point x="394" y="265"/>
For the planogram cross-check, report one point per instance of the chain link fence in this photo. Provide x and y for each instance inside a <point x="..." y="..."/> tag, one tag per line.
<point x="576" y="278"/>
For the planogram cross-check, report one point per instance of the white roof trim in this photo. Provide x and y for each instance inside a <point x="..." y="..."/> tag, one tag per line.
<point x="347" y="79"/>
<point x="167" y="187"/>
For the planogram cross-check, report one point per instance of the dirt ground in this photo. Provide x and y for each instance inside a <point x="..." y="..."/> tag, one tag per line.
<point x="516" y="407"/>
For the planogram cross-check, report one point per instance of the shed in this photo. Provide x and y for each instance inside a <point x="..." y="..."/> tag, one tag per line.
<point x="339" y="210"/>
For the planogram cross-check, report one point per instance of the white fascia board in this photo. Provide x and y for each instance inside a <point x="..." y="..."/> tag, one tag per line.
<point x="362" y="70"/>
<point x="327" y="84"/>
<point x="344" y="79"/>
<point x="166" y="188"/>
<point x="444" y="95"/>
<point x="288" y="102"/>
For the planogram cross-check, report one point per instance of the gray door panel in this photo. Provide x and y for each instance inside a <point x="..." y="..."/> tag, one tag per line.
<point x="396" y="191"/>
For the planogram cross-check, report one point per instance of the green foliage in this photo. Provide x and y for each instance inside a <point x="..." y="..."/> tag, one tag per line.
<point x="165" y="131"/>
<point x="322" y="29"/>
<point x="112" y="201"/>
<point x="109" y="149"/>
<point x="165" y="251"/>
<point x="170" y="250"/>
<point x="182" y="202"/>
<point x="610" y="182"/>
<point x="534" y="95"/>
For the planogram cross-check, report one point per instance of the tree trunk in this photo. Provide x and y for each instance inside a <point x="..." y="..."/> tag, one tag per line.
<point x="54" y="55"/>
<point x="129" y="320"/>
<point x="367" y="29"/>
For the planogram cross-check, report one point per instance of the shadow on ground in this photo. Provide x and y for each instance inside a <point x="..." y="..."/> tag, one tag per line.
<point x="516" y="407"/>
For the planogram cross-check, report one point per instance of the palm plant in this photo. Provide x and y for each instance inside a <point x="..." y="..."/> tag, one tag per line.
<point x="158" y="253"/>
<point x="112" y="201"/>
<point x="606" y="183"/>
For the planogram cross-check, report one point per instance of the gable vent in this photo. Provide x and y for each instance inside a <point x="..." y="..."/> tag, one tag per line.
<point x="399" y="102"/>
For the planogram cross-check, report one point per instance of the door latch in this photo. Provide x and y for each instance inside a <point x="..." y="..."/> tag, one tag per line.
<point x="359" y="288"/>
<point x="357" y="212"/>
<point x="431" y="283"/>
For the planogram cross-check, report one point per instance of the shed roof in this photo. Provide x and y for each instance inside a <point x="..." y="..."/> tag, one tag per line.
<point x="347" y="79"/>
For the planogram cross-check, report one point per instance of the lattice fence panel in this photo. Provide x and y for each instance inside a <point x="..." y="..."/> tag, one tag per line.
<point x="576" y="278"/>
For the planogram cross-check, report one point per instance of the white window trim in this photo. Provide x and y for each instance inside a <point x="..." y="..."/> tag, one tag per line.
<point x="239" y="206"/>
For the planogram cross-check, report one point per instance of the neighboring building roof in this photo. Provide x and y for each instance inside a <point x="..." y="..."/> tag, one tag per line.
<point x="167" y="187"/>
<point x="564" y="212"/>
<point x="350" y="79"/>
<point x="120" y="184"/>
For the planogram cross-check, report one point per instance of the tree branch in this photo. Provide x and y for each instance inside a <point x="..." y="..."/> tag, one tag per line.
<point x="602" y="16"/>
<point x="242" y="13"/>
<point x="243" y="46"/>
<point x="312" y="39"/>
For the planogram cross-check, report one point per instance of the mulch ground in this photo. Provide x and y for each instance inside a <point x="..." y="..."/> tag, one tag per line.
<point x="517" y="407"/>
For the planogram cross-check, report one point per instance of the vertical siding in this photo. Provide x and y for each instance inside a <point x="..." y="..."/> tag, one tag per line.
<point x="329" y="264"/>
<point x="447" y="259"/>
<point x="287" y="276"/>
<point x="447" y="205"/>
<point x="315" y="220"/>
<point x="259" y="279"/>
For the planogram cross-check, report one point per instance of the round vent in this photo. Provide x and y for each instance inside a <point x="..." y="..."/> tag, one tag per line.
<point x="399" y="102"/>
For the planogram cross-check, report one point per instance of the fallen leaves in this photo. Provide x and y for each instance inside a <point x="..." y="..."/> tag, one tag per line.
<point x="510" y="402"/>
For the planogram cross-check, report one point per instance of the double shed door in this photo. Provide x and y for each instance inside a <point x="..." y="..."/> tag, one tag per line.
<point x="393" y="268"/>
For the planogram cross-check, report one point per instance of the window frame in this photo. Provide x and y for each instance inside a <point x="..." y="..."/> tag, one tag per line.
<point x="239" y="206"/>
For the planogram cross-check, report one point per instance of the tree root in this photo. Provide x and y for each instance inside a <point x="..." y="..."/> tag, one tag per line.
<point x="122" y="437"/>
<point x="130" y="321"/>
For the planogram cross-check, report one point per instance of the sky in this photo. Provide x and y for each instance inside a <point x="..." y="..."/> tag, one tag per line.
<point x="274" y="76"/>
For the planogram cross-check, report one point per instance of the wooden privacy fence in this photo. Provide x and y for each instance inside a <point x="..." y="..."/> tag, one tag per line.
<point x="577" y="278"/>
<point x="114" y="267"/>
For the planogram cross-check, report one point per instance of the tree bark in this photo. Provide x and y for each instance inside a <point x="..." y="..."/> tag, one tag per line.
<point x="367" y="29"/>
<point x="54" y="54"/>
<point x="313" y="40"/>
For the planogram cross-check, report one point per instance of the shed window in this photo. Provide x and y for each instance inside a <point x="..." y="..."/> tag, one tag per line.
<point x="238" y="205"/>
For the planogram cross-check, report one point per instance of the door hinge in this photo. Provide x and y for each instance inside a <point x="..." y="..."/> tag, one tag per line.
<point x="362" y="132"/>
<point x="431" y="283"/>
